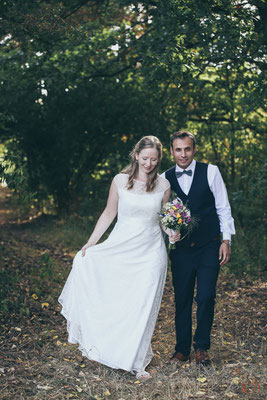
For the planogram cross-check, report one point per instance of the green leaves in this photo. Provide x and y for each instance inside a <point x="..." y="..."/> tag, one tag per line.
<point x="77" y="77"/>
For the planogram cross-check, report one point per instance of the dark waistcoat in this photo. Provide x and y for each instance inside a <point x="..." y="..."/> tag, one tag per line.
<point x="201" y="202"/>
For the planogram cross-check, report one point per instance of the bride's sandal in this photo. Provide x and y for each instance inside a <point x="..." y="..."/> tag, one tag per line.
<point x="143" y="376"/>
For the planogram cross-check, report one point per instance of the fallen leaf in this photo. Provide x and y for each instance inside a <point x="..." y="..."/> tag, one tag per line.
<point x="202" y="380"/>
<point x="231" y="395"/>
<point x="235" y="381"/>
<point x="231" y="365"/>
<point x="44" y="387"/>
<point x="17" y="329"/>
<point x="107" y="393"/>
<point x="96" y="378"/>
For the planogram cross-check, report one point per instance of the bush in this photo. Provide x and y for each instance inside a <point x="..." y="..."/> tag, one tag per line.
<point x="249" y="209"/>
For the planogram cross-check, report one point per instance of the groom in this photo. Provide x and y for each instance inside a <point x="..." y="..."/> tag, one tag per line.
<point x="199" y="256"/>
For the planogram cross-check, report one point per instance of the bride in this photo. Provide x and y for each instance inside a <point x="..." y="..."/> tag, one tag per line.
<point x="112" y="296"/>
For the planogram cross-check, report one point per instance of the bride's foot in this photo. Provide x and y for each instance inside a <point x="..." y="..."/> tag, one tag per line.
<point x="143" y="376"/>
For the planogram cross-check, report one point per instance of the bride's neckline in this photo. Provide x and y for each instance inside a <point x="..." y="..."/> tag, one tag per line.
<point x="139" y="180"/>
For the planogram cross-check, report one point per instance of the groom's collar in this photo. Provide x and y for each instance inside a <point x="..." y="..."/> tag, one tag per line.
<point x="191" y="166"/>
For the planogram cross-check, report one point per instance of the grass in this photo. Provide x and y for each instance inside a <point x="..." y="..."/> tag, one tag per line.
<point x="39" y="363"/>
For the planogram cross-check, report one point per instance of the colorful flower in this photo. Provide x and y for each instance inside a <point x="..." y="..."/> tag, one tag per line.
<point x="176" y="216"/>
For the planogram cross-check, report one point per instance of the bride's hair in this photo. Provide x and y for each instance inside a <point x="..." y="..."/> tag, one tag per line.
<point x="132" y="169"/>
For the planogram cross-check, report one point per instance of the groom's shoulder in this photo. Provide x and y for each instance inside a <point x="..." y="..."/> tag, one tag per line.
<point x="206" y="166"/>
<point x="210" y="169"/>
<point x="170" y="169"/>
<point x="209" y="166"/>
<point x="167" y="172"/>
<point x="203" y="164"/>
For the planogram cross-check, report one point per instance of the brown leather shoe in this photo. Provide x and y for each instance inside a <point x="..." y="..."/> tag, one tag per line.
<point x="202" y="357"/>
<point x="179" y="357"/>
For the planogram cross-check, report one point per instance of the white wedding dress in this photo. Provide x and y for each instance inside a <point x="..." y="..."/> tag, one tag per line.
<point x="112" y="296"/>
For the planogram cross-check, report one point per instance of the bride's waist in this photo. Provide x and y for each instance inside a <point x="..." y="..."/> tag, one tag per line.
<point x="137" y="220"/>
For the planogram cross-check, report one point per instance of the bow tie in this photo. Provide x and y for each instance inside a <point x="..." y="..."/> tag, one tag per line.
<point x="178" y="173"/>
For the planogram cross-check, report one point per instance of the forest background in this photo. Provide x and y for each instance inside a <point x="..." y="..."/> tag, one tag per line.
<point x="82" y="81"/>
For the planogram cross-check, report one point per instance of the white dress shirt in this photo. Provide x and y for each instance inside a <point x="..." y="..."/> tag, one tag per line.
<point x="218" y="189"/>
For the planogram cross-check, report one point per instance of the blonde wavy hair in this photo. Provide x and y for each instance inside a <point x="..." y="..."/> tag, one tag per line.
<point x="132" y="169"/>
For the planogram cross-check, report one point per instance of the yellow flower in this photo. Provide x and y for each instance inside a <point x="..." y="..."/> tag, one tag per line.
<point x="180" y="220"/>
<point x="178" y="216"/>
<point x="34" y="296"/>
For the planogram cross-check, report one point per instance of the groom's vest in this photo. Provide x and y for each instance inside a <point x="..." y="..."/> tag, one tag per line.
<point x="201" y="202"/>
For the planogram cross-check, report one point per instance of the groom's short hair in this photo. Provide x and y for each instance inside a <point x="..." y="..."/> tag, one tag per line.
<point x="182" y="135"/>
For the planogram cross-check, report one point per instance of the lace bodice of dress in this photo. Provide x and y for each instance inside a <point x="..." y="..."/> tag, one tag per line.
<point x="139" y="187"/>
<point x="137" y="202"/>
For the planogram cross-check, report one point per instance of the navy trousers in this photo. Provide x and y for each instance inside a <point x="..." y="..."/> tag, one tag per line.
<point x="190" y="265"/>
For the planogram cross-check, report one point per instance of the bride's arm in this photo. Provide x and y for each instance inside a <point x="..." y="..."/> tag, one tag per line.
<point x="176" y="236"/>
<point x="105" y="218"/>
<point x="165" y="199"/>
<point x="166" y="196"/>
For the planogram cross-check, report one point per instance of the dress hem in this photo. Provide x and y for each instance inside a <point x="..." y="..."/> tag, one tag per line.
<point x="74" y="340"/>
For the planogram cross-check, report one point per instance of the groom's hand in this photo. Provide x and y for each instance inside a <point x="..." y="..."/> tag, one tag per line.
<point x="224" y="252"/>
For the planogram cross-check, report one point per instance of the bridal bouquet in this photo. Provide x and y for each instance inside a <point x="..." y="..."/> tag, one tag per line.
<point x="177" y="217"/>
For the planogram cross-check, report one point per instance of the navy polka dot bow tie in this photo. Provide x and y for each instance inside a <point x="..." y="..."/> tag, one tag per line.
<point x="178" y="173"/>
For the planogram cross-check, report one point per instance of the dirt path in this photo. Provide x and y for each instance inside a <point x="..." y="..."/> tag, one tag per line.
<point x="38" y="363"/>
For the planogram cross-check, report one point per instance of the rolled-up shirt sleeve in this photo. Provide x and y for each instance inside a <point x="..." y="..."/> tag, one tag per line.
<point x="222" y="204"/>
